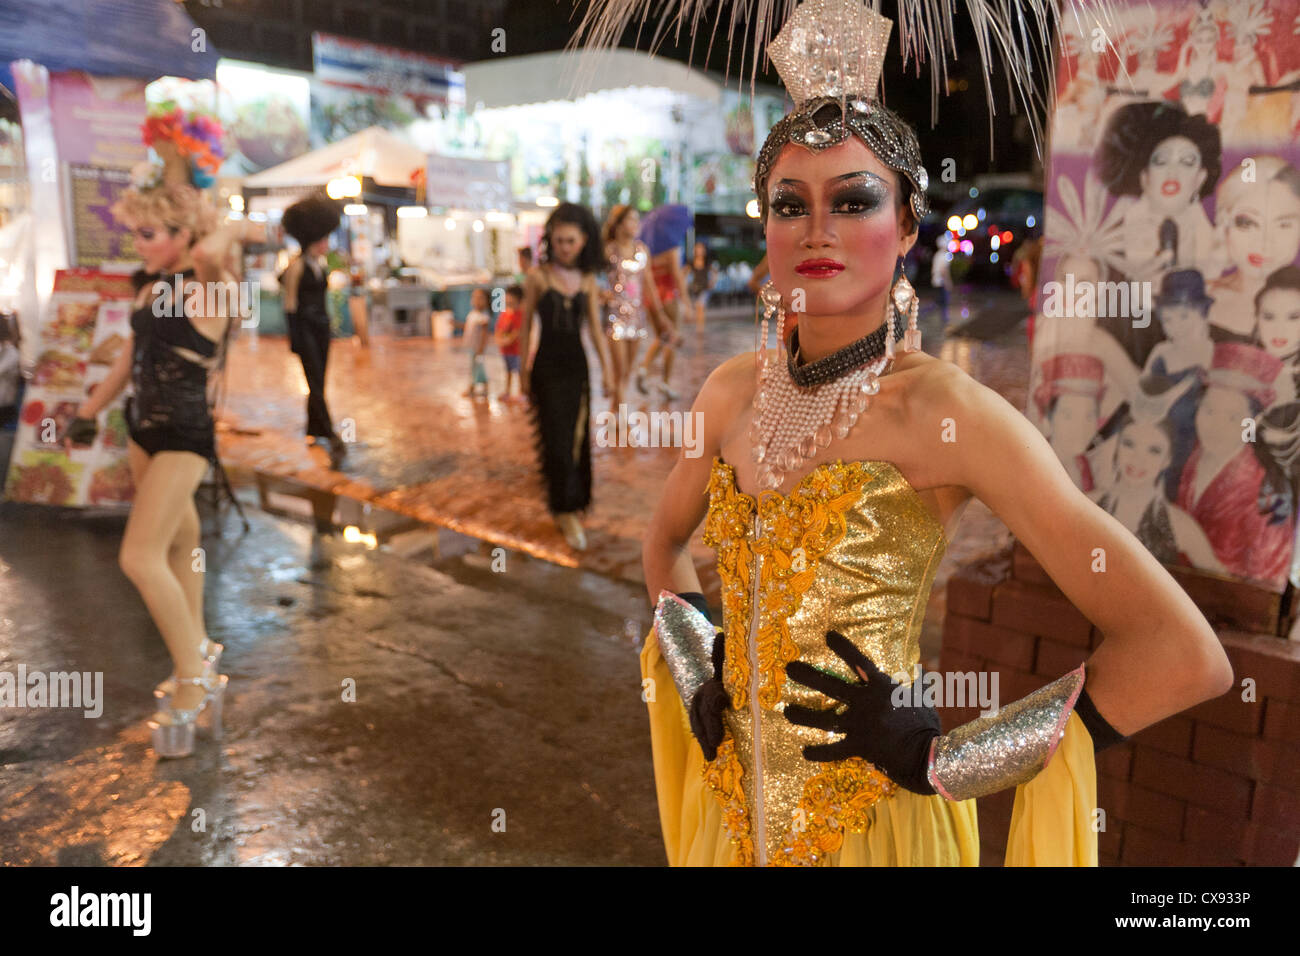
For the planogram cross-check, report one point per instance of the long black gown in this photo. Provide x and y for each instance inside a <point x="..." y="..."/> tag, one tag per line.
<point x="559" y="388"/>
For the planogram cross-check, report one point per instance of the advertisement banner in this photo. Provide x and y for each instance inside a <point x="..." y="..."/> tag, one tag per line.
<point x="468" y="183"/>
<point x="97" y="120"/>
<point x="97" y="237"/>
<point x="1166" y="351"/>
<point x="266" y="116"/>
<point x="87" y="322"/>
<point x="358" y="85"/>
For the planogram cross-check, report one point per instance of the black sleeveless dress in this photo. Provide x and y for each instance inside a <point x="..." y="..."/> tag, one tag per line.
<point x="559" y="388"/>
<point x="309" y="337"/>
<point x="312" y="315"/>
<point x="169" y="408"/>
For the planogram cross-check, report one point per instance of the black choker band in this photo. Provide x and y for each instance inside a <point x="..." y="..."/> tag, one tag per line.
<point x="854" y="355"/>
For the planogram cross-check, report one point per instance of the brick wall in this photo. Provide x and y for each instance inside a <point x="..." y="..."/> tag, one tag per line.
<point x="1216" y="785"/>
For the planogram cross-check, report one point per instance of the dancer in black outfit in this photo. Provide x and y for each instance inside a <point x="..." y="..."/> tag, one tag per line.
<point x="310" y="221"/>
<point x="562" y="291"/>
<point x="172" y="347"/>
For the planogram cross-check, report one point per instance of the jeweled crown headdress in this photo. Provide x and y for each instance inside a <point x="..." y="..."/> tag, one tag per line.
<point x="830" y="54"/>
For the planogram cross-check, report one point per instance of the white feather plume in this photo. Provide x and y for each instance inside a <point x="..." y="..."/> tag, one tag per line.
<point x="1081" y="225"/>
<point x="1017" y="33"/>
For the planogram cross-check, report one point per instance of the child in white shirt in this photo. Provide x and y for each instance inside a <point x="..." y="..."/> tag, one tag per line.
<point x="476" y="324"/>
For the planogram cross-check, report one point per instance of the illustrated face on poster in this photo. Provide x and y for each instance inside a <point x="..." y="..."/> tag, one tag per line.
<point x="1175" y="182"/>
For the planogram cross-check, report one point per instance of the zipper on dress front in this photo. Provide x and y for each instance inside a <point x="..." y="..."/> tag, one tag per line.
<point x="760" y="811"/>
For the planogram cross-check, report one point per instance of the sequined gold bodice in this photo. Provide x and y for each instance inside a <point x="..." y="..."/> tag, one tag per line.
<point x="851" y="549"/>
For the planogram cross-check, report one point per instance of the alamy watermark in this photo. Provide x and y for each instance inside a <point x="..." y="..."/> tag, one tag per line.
<point x="636" y="429"/>
<point x="180" y="299"/>
<point x="1098" y="300"/>
<point x="950" y="689"/>
<point x="76" y="689"/>
<point x="129" y="910"/>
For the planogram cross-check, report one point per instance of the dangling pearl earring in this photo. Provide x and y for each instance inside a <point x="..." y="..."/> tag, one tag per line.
<point x="771" y="300"/>
<point x="905" y="303"/>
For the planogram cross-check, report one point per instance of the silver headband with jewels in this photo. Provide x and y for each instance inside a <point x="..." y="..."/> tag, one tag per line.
<point x="829" y="55"/>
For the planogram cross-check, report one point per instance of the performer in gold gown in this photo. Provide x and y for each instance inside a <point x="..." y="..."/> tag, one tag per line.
<point x="829" y="488"/>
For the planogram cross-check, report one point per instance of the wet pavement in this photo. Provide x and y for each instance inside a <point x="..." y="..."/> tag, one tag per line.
<point x="482" y="697"/>
<point x="497" y="715"/>
<point x="425" y="451"/>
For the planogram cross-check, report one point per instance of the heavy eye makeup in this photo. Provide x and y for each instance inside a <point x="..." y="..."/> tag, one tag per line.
<point x="861" y="196"/>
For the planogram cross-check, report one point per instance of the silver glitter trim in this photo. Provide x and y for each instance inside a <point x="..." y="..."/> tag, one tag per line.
<point x="1009" y="748"/>
<point x="686" y="643"/>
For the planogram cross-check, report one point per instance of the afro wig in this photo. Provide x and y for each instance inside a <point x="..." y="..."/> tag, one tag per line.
<point x="312" y="219"/>
<point x="1134" y="132"/>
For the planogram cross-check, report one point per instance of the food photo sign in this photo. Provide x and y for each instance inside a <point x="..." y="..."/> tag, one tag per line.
<point x="87" y="322"/>
<point x="1166" y="350"/>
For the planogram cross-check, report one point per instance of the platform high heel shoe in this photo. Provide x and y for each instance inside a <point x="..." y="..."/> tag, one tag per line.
<point x="211" y="652"/>
<point x="173" y="730"/>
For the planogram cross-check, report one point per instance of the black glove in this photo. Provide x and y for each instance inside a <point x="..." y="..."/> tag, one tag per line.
<point x="1102" y="733"/>
<point x="706" y="707"/>
<point x="708" y="704"/>
<point x="895" y="739"/>
<point x="81" y="431"/>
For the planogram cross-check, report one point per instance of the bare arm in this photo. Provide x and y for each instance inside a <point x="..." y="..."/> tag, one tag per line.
<point x="211" y="252"/>
<point x="289" y="286"/>
<point x="532" y="294"/>
<point x="665" y="555"/>
<point x="597" y="330"/>
<point x="1160" y="656"/>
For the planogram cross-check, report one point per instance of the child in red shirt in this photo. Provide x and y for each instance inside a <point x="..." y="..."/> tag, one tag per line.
<point x="507" y="337"/>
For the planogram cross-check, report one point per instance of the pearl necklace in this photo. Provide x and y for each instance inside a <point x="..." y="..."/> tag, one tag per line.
<point x="792" y="423"/>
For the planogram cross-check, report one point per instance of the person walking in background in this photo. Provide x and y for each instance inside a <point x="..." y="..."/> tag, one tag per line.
<point x="629" y="297"/>
<point x="309" y="222"/>
<point x="704" y="276"/>
<point x="941" y="278"/>
<point x="525" y="263"/>
<point x="664" y="231"/>
<point x="563" y="293"/>
<point x="476" y="326"/>
<point x="507" y="339"/>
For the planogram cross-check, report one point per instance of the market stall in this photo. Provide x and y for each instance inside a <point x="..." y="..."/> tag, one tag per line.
<point x="375" y="173"/>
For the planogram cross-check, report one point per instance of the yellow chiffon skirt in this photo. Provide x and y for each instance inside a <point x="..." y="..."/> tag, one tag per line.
<point x="1051" y="821"/>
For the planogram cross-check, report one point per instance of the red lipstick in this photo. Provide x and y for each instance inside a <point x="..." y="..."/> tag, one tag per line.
<point x="819" y="268"/>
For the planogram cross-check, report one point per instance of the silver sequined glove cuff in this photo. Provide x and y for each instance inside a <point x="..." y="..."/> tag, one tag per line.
<point x="1008" y="748"/>
<point x="686" y="642"/>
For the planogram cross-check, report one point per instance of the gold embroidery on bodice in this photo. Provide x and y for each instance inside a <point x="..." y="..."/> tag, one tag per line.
<point x="851" y="549"/>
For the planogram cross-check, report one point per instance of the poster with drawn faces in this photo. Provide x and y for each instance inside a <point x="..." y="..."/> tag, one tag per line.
<point x="1166" y="341"/>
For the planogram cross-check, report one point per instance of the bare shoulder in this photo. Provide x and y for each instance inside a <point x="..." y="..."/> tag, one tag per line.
<point x="732" y="382"/>
<point x="953" y="424"/>
<point x="927" y="384"/>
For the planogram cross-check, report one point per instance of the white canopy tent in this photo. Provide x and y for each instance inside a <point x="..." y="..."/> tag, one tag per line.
<point x="374" y="153"/>
<point x="546" y="77"/>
